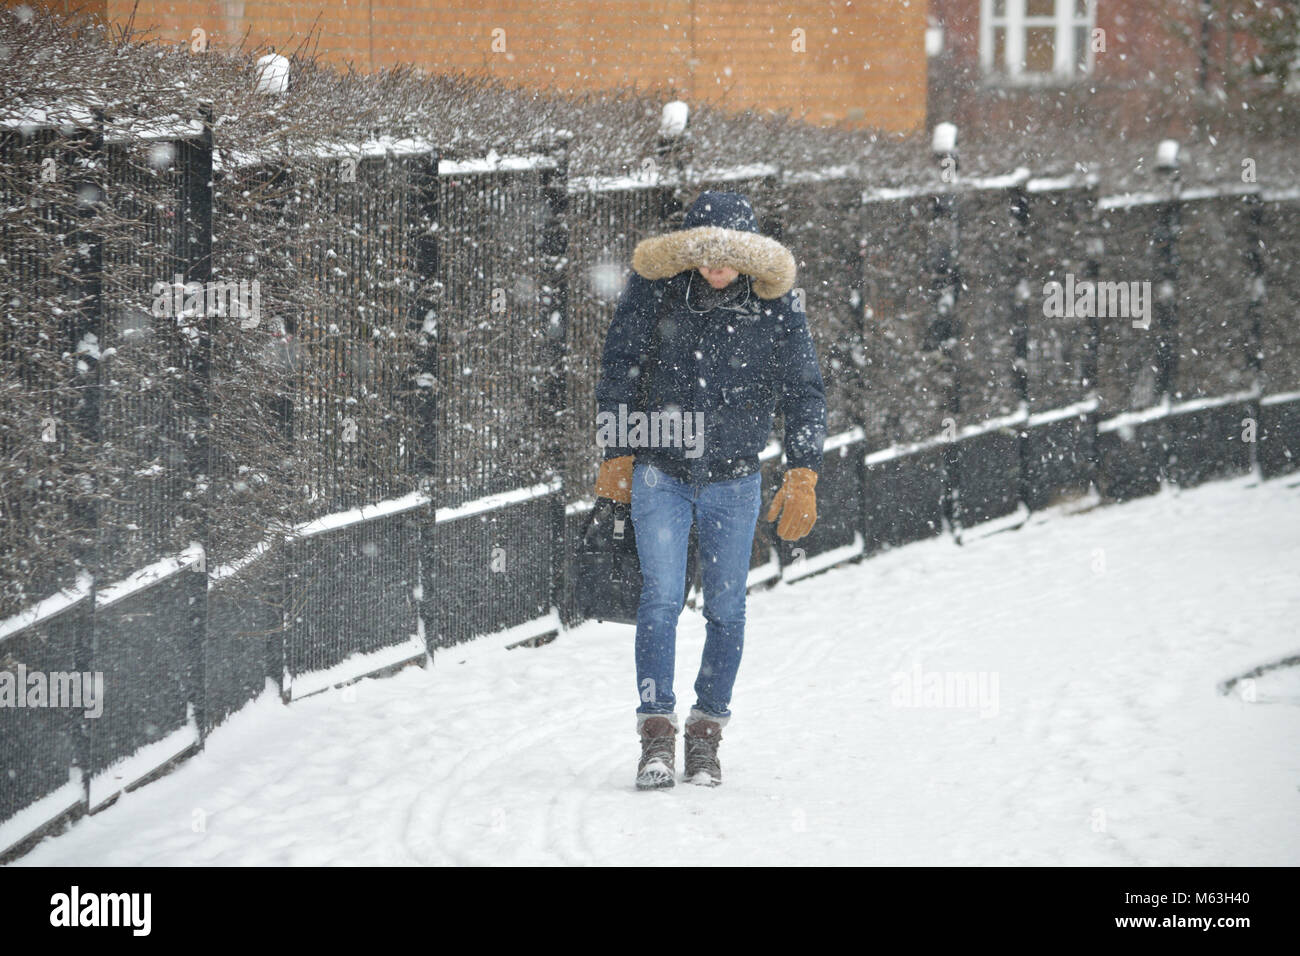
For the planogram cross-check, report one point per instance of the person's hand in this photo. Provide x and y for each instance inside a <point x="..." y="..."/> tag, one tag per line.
<point x="614" y="480"/>
<point x="796" y="503"/>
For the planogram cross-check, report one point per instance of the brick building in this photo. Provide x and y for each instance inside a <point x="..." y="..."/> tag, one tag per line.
<point x="861" y="62"/>
<point x="1131" y="64"/>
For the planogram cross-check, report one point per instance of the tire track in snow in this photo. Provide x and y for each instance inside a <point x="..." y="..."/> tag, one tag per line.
<point x="565" y="821"/>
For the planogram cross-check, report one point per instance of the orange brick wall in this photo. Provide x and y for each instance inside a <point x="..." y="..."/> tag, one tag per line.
<point x="864" y="61"/>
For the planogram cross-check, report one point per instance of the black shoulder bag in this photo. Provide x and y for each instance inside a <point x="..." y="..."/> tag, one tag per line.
<point x="608" y="579"/>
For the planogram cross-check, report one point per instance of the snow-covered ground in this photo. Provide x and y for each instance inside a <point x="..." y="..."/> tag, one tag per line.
<point x="1097" y="640"/>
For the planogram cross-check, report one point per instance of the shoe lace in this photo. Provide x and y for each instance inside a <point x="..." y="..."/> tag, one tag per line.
<point x="658" y="748"/>
<point x="702" y="753"/>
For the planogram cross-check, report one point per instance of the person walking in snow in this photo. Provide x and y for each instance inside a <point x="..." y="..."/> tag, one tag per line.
<point x="705" y="333"/>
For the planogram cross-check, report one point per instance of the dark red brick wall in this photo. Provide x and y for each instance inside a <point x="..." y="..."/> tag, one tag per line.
<point x="863" y="61"/>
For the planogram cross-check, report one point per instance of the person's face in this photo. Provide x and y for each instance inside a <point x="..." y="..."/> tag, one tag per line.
<point x="719" y="277"/>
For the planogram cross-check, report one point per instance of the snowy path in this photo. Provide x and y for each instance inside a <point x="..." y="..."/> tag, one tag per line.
<point x="1106" y="631"/>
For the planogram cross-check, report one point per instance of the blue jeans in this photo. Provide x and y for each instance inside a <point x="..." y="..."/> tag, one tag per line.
<point x="725" y="512"/>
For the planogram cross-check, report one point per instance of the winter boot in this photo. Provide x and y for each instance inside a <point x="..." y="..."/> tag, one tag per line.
<point x="657" y="768"/>
<point x="703" y="734"/>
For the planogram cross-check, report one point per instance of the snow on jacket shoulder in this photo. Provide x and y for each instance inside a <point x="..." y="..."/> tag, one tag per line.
<point x="726" y="369"/>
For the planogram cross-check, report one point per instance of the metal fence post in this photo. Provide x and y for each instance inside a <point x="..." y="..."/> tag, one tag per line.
<point x="1019" y="204"/>
<point x="86" y="336"/>
<point x="942" y="334"/>
<point x="86" y="329"/>
<point x="1166" y="305"/>
<point x="777" y="208"/>
<point x="1094" y="249"/>
<point x="1254" y="311"/>
<point x="555" y="314"/>
<point x="196" y="171"/>
<point x="672" y="149"/>
<point x="1258" y="290"/>
<point x="425" y="329"/>
<point x="859" y="355"/>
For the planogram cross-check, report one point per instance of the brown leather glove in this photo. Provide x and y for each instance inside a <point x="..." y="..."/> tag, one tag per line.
<point x="614" y="480"/>
<point x="796" y="502"/>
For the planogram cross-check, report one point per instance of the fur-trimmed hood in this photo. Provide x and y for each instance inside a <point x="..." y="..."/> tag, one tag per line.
<point x="719" y="229"/>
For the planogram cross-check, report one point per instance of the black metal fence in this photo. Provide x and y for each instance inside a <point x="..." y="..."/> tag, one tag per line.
<point x="391" y="454"/>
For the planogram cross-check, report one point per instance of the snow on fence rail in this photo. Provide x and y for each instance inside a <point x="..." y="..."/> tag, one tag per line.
<point x="385" y="147"/>
<point x="28" y="120"/>
<point x="47" y="608"/>
<point x="1167" y="409"/>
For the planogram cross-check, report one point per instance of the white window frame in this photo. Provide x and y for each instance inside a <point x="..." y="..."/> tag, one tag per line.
<point x="1064" y="20"/>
